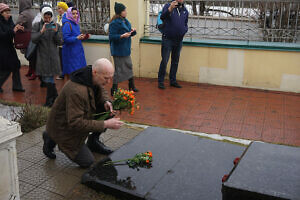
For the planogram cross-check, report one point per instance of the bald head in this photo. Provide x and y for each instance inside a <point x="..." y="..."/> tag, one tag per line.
<point x="103" y="65"/>
<point x="103" y="72"/>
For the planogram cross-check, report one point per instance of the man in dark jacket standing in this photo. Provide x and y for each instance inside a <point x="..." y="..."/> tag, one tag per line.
<point x="71" y="118"/>
<point x="175" y="25"/>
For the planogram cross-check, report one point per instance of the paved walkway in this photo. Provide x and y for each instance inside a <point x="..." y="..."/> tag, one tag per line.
<point x="41" y="178"/>
<point x="243" y="113"/>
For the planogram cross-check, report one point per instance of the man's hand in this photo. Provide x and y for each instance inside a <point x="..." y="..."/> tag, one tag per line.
<point x="109" y="107"/>
<point x="172" y="6"/>
<point x="113" y="123"/>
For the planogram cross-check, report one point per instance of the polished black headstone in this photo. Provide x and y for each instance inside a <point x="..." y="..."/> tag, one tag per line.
<point x="266" y="171"/>
<point x="184" y="167"/>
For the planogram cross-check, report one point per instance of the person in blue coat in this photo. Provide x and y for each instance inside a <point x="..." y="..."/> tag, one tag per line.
<point x="120" y="33"/>
<point x="72" y="53"/>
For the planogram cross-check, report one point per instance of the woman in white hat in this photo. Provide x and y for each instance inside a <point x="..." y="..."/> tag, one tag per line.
<point x="47" y="35"/>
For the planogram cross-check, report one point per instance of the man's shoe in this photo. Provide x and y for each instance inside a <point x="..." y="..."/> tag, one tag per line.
<point x="175" y="85"/>
<point x="19" y="90"/>
<point x="161" y="86"/>
<point x="47" y="147"/>
<point x="98" y="147"/>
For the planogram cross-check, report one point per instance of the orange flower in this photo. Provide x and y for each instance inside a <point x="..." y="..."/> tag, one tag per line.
<point x="125" y="98"/>
<point x="147" y="161"/>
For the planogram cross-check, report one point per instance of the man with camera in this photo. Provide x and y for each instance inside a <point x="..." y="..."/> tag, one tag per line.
<point x="175" y="25"/>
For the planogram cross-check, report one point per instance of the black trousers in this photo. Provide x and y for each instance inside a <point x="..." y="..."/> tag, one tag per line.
<point x="32" y="61"/>
<point x="17" y="84"/>
<point x="84" y="158"/>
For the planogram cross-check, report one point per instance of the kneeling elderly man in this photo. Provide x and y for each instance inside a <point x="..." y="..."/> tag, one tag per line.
<point x="71" y="119"/>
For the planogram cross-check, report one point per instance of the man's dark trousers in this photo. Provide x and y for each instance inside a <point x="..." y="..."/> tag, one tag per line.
<point x="169" y="46"/>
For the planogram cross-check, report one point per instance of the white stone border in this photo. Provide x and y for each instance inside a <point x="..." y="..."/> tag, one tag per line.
<point x="211" y="136"/>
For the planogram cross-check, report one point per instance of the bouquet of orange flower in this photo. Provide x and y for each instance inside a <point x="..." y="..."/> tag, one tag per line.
<point x="122" y="100"/>
<point x="139" y="160"/>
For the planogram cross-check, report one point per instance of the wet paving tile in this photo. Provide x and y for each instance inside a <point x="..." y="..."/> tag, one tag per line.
<point x="22" y="146"/>
<point x="23" y="164"/>
<point x="33" y="154"/>
<point x="57" y="164"/>
<point x="33" y="137"/>
<point x="42" y="194"/>
<point x="36" y="175"/>
<point x="25" y="188"/>
<point x="82" y="192"/>
<point x="61" y="183"/>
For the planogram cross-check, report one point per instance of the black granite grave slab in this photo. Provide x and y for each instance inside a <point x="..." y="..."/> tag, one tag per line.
<point x="266" y="171"/>
<point x="184" y="167"/>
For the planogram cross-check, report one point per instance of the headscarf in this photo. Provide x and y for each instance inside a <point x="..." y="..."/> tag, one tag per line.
<point x="70" y="16"/>
<point x="63" y="5"/>
<point x="3" y="7"/>
<point x="38" y="16"/>
<point x="46" y="10"/>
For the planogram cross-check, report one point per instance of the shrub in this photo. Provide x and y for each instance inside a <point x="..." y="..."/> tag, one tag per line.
<point x="31" y="117"/>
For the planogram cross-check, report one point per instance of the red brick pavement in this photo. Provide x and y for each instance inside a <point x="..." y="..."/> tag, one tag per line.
<point x="243" y="113"/>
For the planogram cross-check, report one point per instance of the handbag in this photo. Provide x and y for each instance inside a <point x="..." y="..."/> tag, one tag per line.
<point x="22" y="39"/>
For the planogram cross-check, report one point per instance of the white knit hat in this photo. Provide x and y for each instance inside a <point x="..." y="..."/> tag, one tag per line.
<point x="46" y="9"/>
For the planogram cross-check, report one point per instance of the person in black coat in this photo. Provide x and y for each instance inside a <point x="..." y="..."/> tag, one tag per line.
<point x="9" y="61"/>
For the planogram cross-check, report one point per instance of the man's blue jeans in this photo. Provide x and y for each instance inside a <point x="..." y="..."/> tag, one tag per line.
<point x="169" y="46"/>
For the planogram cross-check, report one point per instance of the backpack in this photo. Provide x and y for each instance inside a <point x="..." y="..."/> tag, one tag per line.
<point x="159" y="23"/>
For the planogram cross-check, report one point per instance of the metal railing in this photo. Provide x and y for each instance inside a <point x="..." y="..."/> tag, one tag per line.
<point x="94" y="13"/>
<point x="247" y="20"/>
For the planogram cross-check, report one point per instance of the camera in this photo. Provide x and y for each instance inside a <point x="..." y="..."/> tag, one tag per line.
<point x="133" y="33"/>
<point x="178" y="5"/>
<point x="50" y="26"/>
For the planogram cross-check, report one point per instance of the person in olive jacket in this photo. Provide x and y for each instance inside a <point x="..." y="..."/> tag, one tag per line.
<point x="71" y="119"/>
<point x="9" y="61"/>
